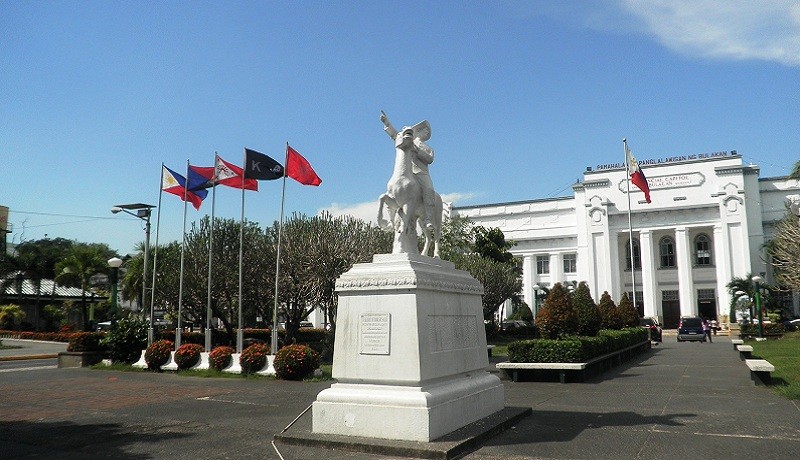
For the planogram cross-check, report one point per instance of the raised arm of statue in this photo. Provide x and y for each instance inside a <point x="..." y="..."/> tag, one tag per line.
<point x="387" y="125"/>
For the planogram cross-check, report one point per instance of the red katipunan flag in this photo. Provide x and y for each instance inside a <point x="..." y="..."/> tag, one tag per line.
<point x="299" y="169"/>
<point x="635" y="173"/>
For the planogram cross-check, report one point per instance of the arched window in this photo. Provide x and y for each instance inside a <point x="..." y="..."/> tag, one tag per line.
<point x="702" y="250"/>
<point x="636" y="256"/>
<point x="667" y="252"/>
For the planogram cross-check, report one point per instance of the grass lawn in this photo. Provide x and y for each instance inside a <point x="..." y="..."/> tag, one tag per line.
<point x="784" y="354"/>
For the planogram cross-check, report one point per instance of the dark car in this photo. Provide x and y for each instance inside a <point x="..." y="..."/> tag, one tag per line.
<point x="691" y="328"/>
<point x="654" y="327"/>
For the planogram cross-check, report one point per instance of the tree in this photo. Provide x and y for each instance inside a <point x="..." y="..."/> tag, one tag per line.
<point x="315" y="251"/>
<point x="82" y="261"/>
<point x="557" y="318"/>
<point x="457" y="237"/>
<point x="628" y="316"/>
<point x="608" y="312"/>
<point x="589" y="319"/>
<point x="10" y="316"/>
<point x="795" y="174"/>
<point x="491" y="243"/>
<point x="500" y="281"/>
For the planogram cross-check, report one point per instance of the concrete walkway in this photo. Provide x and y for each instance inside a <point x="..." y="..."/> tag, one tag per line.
<point x="680" y="400"/>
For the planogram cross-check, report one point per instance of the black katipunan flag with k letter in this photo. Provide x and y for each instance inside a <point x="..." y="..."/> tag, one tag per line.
<point x="261" y="167"/>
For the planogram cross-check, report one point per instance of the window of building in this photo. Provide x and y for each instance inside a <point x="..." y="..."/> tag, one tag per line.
<point x="636" y="256"/>
<point x="667" y="252"/>
<point x="542" y="265"/>
<point x="702" y="250"/>
<point x="669" y="295"/>
<point x="706" y="294"/>
<point x="570" y="263"/>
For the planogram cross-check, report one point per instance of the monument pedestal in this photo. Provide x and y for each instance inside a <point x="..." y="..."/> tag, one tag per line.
<point x="410" y="352"/>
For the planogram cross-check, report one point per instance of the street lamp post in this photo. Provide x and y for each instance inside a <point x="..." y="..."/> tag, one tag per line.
<point x="143" y="212"/>
<point x="114" y="263"/>
<point x="757" y="280"/>
<point x="536" y="288"/>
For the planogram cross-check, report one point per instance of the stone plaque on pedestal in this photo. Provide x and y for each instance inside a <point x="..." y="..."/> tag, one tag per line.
<point x="410" y="352"/>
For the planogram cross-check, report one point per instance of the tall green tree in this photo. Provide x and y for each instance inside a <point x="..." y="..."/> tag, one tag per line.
<point x="589" y="319"/>
<point x="608" y="312"/>
<point x="557" y="317"/>
<point x="82" y="261"/>
<point x="628" y="316"/>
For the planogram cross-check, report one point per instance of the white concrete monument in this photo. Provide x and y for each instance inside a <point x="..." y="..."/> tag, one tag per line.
<point x="410" y="353"/>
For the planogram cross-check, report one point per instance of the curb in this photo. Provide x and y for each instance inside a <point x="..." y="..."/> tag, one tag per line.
<point x="25" y="358"/>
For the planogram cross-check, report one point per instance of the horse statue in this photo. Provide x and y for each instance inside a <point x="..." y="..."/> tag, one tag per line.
<point x="404" y="197"/>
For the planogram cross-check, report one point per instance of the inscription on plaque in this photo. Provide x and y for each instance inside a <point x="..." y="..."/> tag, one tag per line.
<point x="375" y="331"/>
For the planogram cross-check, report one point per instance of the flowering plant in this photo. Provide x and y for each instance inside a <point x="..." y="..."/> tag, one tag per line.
<point x="220" y="357"/>
<point x="188" y="355"/>
<point x="157" y="354"/>
<point x="254" y="358"/>
<point x="294" y="362"/>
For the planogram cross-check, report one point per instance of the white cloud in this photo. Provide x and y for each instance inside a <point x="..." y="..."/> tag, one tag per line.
<point x="368" y="211"/>
<point x="766" y="30"/>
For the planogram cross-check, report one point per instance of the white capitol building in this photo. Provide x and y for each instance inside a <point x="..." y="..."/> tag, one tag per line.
<point x="708" y="220"/>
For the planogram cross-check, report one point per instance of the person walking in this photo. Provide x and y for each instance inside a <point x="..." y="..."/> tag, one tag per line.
<point x="707" y="330"/>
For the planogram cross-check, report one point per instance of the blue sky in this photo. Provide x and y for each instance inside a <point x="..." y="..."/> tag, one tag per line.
<point x="521" y="97"/>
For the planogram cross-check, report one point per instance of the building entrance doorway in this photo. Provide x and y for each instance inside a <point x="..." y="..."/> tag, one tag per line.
<point x="707" y="309"/>
<point x="672" y="313"/>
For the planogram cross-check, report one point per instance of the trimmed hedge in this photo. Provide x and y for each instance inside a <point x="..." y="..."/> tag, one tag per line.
<point x="46" y="336"/>
<point x="769" y="329"/>
<point x="575" y="349"/>
<point x="85" y="341"/>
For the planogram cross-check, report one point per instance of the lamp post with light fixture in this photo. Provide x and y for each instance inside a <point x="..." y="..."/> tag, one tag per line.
<point x="757" y="280"/>
<point x="114" y="263"/>
<point x="142" y="211"/>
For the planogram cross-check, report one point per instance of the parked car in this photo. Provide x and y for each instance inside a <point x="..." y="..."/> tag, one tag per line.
<point x="791" y="324"/>
<point x="654" y="327"/>
<point x="691" y="328"/>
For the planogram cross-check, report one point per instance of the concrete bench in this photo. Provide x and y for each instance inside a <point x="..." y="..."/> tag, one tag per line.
<point x="736" y="342"/>
<point x="563" y="369"/>
<point x="745" y="351"/>
<point x="760" y="371"/>
<point x="489" y="349"/>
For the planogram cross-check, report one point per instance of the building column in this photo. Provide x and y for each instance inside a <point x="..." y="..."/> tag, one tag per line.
<point x="723" y="273"/>
<point x="683" y="253"/>
<point x="556" y="269"/>
<point x="528" y="279"/>
<point x="651" y="307"/>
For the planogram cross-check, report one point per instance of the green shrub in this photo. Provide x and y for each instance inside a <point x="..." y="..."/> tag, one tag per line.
<point x="769" y="328"/>
<point x="557" y="318"/>
<point x="85" y="341"/>
<point x="158" y="353"/>
<point x="628" y="316"/>
<point x="588" y="314"/>
<point x="126" y="340"/>
<point x="188" y="355"/>
<point x="575" y="349"/>
<point x="295" y="362"/>
<point x="254" y="358"/>
<point x="609" y="318"/>
<point x="220" y="357"/>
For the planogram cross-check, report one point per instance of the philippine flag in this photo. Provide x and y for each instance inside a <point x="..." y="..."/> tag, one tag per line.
<point x="174" y="183"/>
<point x="635" y="172"/>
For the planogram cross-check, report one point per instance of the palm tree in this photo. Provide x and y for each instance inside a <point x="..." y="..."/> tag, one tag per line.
<point x="83" y="261"/>
<point x="795" y="174"/>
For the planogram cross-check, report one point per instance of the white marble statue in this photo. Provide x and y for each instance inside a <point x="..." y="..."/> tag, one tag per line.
<point x="794" y="204"/>
<point x="410" y="196"/>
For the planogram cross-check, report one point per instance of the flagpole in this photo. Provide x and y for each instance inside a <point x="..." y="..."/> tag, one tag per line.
<point x="151" y="330"/>
<point x="240" y="331"/>
<point x="210" y="253"/>
<point x="278" y="262"/>
<point x="630" y="224"/>
<point x="179" y="329"/>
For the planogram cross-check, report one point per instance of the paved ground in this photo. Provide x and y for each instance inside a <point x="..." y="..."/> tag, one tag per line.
<point x="680" y="400"/>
